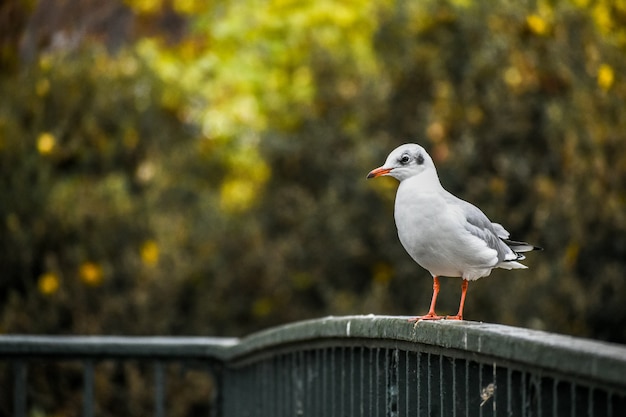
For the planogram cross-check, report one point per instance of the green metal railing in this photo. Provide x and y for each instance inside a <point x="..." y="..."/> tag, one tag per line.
<point x="336" y="366"/>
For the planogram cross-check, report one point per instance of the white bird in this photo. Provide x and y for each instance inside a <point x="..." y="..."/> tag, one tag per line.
<point x="442" y="233"/>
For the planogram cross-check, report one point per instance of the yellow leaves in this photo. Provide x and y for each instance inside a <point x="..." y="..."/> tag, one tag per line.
<point x="602" y="16"/>
<point x="382" y="273"/>
<point x="46" y="143"/>
<point x="607" y="17"/>
<point x="131" y="138"/>
<point x="42" y="87"/>
<point x="262" y="307"/>
<point x="537" y="25"/>
<point x="187" y="7"/>
<point x="190" y="7"/>
<point x="149" y="253"/>
<point x="436" y="132"/>
<point x="545" y="187"/>
<point x="249" y="173"/>
<point x="90" y="273"/>
<point x="571" y="255"/>
<point x="145" y="6"/>
<point x="512" y="77"/>
<point x="497" y="186"/>
<point x="237" y="195"/>
<point x="259" y="59"/>
<point x="606" y="76"/>
<point x="48" y="283"/>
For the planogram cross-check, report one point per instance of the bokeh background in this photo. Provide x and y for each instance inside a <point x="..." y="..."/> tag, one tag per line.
<point x="189" y="167"/>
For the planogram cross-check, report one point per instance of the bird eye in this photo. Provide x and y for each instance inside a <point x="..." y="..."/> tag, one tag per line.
<point x="404" y="159"/>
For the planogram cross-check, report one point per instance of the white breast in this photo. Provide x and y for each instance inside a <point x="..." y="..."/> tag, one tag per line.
<point x="433" y="234"/>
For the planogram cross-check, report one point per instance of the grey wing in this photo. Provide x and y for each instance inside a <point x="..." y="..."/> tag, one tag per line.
<point x="492" y="234"/>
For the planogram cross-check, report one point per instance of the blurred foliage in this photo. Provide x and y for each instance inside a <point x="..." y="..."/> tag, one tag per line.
<point x="200" y="166"/>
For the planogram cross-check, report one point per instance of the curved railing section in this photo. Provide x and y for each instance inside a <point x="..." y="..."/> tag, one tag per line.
<point x="334" y="366"/>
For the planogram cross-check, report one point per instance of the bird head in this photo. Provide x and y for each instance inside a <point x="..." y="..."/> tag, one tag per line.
<point x="404" y="162"/>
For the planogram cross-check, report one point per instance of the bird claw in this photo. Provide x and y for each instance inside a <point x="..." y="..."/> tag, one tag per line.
<point x="429" y="316"/>
<point x="457" y="317"/>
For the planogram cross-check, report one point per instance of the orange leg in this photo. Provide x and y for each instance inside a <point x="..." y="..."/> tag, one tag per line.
<point x="431" y="312"/>
<point x="459" y="315"/>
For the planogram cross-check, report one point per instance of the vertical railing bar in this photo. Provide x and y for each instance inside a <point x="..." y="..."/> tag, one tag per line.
<point x="88" y="388"/>
<point x="257" y="386"/>
<point x="19" y="384"/>
<point x="538" y="392"/>
<point x="590" y="403"/>
<point x="441" y="385"/>
<point x="524" y="386"/>
<point x="278" y="389"/>
<point x="609" y="406"/>
<point x="362" y="380"/>
<point x="406" y="382"/>
<point x="377" y="404"/>
<point x="495" y="388"/>
<point x="217" y="378"/>
<point x="313" y="382"/>
<point x="418" y="377"/>
<point x="555" y="397"/>
<point x="394" y="389"/>
<point x="333" y="373"/>
<point x="304" y="375"/>
<point x="292" y="374"/>
<point x="304" y="366"/>
<point x="388" y="383"/>
<point x="282" y="384"/>
<point x="480" y="385"/>
<point x="270" y="380"/>
<point x="277" y="401"/>
<point x="285" y="390"/>
<point x="262" y="369"/>
<point x="509" y="394"/>
<point x="159" y="389"/>
<point x="324" y="381"/>
<point x="454" y="361"/>
<point x="466" y="387"/>
<point x="371" y="378"/>
<point x="271" y="386"/>
<point x="310" y="391"/>
<point x="342" y="373"/>
<point x="275" y="364"/>
<point x="573" y="392"/>
<point x="292" y="382"/>
<point x="429" y="383"/>
<point x="352" y="376"/>
<point x="238" y="391"/>
<point x="252" y="391"/>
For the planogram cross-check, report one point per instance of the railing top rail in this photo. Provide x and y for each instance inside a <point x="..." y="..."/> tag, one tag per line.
<point x="585" y="358"/>
<point x="115" y="346"/>
<point x="602" y="362"/>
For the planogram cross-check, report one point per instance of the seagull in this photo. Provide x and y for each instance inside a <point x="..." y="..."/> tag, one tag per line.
<point x="445" y="235"/>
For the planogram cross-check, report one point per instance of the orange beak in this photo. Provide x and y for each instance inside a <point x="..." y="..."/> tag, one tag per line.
<point x="379" y="172"/>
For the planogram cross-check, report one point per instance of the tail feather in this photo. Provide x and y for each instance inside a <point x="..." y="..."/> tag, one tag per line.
<point x="511" y="265"/>
<point x="520" y="246"/>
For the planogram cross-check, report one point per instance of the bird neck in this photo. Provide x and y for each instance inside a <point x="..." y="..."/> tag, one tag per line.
<point x="426" y="181"/>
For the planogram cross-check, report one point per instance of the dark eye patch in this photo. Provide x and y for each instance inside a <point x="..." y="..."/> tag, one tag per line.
<point x="420" y="159"/>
